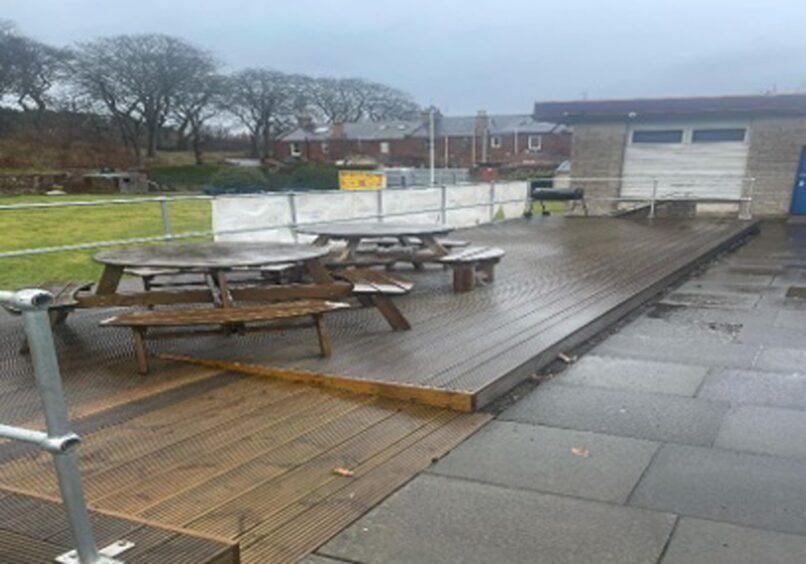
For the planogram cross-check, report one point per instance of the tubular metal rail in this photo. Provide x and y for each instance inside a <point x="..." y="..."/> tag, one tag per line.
<point x="58" y="440"/>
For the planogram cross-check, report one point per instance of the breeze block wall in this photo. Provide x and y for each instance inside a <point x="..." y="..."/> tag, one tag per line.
<point x="597" y="151"/>
<point x="775" y="145"/>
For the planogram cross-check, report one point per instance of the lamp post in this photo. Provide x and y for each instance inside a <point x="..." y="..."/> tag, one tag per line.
<point x="431" y="142"/>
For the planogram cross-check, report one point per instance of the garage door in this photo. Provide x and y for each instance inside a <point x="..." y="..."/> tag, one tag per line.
<point x="693" y="160"/>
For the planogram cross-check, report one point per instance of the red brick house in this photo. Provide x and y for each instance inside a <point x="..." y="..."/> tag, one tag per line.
<point x="460" y="141"/>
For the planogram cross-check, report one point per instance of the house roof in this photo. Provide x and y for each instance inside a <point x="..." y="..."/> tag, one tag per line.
<point x="365" y="130"/>
<point x="451" y="126"/>
<point x="716" y="106"/>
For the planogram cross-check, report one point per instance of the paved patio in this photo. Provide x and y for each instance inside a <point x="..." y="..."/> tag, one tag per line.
<point x="678" y="439"/>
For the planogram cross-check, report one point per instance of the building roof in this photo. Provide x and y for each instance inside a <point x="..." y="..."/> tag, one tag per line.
<point x="365" y="130"/>
<point x="450" y="126"/>
<point x="716" y="106"/>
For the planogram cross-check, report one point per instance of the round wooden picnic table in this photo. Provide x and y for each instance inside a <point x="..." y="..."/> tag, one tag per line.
<point x="354" y="233"/>
<point x="215" y="258"/>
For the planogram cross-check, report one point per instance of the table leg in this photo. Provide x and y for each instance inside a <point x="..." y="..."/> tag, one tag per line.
<point x="110" y="280"/>
<point x="348" y="254"/>
<point x="223" y="288"/>
<point x="321" y="241"/>
<point x="318" y="272"/>
<point x="430" y="242"/>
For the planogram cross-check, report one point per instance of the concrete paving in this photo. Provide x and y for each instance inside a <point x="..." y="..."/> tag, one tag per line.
<point x="676" y="440"/>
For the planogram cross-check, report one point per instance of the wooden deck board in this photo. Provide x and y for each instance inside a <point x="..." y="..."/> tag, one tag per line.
<point x="41" y="533"/>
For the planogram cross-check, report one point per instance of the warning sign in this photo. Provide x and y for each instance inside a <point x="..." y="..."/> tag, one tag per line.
<point x="361" y="180"/>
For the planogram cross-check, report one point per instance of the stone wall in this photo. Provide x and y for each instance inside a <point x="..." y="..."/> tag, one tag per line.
<point x="16" y="184"/>
<point x="775" y="145"/>
<point x="597" y="151"/>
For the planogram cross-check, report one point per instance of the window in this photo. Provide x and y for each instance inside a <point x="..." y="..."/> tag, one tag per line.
<point x="658" y="136"/>
<point x="717" y="135"/>
<point x="535" y="142"/>
<point x="296" y="151"/>
<point x="384" y="147"/>
<point x="495" y="142"/>
<point x="325" y="147"/>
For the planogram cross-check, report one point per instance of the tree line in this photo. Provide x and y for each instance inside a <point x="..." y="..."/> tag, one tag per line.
<point x="145" y="83"/>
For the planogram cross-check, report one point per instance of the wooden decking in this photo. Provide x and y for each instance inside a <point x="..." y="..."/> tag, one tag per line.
<point x="33" y="529"/>
<point x="251" y="459"/>
<point x="562" y="281"/>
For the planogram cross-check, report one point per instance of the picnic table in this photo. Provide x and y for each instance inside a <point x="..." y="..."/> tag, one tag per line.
<point x="215" y="259"/>
<point x="356" y="233"/>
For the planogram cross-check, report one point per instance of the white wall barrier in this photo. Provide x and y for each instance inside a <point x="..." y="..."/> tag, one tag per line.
<point x="271" y="217"/>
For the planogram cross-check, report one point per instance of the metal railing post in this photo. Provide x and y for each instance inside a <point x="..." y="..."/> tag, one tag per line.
<point x="379" y="204"/>
<point x="654" y="196"/>
<point x="746" y="207"/>
<point x="492" y="202"/>
<point x="292" y="210"/>
<point x="443" y="204"/>
<point x="59" y="440"/>
<point x="166" y="218"/>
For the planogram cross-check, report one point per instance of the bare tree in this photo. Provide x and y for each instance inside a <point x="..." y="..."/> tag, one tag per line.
<point x="354" y="99"/>
<point x="264" y="101"/>
<point x="194" y="105"/>
<point x="137" y="77"/>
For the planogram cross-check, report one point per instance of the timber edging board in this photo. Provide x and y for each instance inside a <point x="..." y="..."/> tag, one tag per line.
<point x="435" y="397"/>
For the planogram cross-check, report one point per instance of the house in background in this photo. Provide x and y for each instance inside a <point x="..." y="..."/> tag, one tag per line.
<point x="706" y="148"/>
<point x="460" y="141"/>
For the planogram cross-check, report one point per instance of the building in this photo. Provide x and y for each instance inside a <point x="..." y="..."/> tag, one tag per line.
<point x="460" y="141"/>
<point x="713" y="149"/>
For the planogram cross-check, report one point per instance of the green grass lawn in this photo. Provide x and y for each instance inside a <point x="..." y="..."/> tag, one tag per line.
<point x="34" y="228"/>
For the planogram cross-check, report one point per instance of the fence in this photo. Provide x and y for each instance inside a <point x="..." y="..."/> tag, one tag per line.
<point x="461" y="206"/>
<point x="58" y="439"/>
<point x="422" y="176"/>
<point x="705" y="193"/>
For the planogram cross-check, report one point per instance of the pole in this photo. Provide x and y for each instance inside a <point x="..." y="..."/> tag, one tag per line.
<point x="515" y="143"/>
<point x="654" y="196"/>
<point x="166" y="219"/>
<point x="431" y="146"/>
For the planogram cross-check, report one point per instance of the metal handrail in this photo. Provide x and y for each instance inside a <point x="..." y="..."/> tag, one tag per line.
<point x="169" y="235"/>
<point x="58" y="439"/>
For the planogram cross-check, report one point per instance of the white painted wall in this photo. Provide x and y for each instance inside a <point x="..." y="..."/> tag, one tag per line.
<point x="266" y="217"/>
<point x="699" y="170"/>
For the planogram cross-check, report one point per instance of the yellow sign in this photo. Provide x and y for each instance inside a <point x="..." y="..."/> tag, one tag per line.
<point x="361" y="180"/>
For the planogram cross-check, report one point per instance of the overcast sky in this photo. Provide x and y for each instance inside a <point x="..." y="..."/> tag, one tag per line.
<point x="466" y="55"/>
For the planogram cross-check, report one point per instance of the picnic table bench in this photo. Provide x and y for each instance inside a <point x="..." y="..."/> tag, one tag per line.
<point x="376" y="288"/>
<point x="469" y="262"/>
<point x="229" y="319"/>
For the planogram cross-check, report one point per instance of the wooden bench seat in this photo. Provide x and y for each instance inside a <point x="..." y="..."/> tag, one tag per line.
<point x="375" y="288"/>
<point x="470" y="261"/>
<point x="230" y="320"/>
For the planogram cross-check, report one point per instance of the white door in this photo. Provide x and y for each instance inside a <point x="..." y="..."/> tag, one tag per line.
<point x="688" y="160"/>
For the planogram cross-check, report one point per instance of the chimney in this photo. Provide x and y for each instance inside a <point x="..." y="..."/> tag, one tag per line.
<point x="482" y="123"/>
<point x="305" y="122"/>
<point x="337" y="130"/>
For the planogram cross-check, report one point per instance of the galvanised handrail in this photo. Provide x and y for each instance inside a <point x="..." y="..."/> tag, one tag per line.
<point x="58" y="439"/>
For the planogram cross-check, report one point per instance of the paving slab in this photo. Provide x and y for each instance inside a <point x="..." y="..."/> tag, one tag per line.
<point x="791" y="319"/>
<point x="767" y="430"/>
<point x="437" y="519"/>
<point x="576" y="463"/>
<point x="755" y="387"/>
<point x="781" y="359"/>
<point x="701" y="314"/>
<point x="705" y="285"/>
<point x="657" y="417"/>
<point x="768" y="336"/>
<point x="318" y="559"/>
<point x="650" y="328"/>
<point x="687" y="351"/>
<point x="743" y="488"/>
<point x="635" y="374"/>
<point x="720" y="300"/>
<point x="731" y="275"/>
<point x="696" y="541"/>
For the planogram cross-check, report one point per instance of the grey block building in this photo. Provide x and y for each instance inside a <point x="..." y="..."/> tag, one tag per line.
<point x="711" y="151"/>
